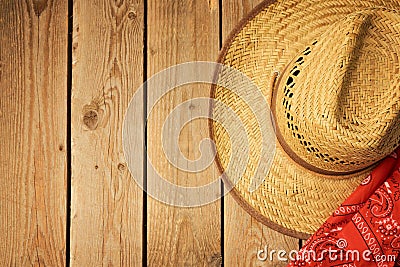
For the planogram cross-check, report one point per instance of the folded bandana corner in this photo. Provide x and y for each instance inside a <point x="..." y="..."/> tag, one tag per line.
<point x="365" y="229"/>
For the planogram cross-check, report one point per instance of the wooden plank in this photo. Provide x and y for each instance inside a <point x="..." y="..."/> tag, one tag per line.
<point x="181" y="31"/>
<point x="33" y="121"/>
<point x="106" y="212"/>
<point x="243" y="235"/>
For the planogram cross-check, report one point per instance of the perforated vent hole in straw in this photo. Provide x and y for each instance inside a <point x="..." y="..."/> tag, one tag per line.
<point x="289" y="91"/>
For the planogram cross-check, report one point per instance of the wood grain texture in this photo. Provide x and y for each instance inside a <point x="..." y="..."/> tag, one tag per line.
<point x="181" y="31"/>
<point x="243" y="235"/>
<point x="106" y="212"/>
<point x="33" y="127"/>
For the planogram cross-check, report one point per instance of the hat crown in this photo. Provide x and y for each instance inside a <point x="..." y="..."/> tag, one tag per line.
<point x="337" y="102"/>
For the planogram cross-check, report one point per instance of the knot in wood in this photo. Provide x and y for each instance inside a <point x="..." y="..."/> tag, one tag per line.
<point x="121" y="167"/>
<point x="91" y="119"/>
<point x="132" y="15"/>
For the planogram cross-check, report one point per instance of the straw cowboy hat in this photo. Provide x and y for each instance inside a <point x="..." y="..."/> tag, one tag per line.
<point x="330" y="71"/>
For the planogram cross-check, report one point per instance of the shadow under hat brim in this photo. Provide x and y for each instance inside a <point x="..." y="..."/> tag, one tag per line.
<point x="301" y="214"/>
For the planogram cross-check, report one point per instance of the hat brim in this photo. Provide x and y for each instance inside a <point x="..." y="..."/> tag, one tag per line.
<point x="292" y="199"/>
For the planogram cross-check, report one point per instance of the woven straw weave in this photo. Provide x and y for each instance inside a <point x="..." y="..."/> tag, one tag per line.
<point x="344" y="106"/>
<point x="344" y="120"/>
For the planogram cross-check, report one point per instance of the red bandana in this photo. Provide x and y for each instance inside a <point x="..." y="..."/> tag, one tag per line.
<point x="365" y="229"/>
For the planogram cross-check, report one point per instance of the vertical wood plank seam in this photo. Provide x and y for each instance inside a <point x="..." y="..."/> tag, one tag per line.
<point x="69" y="126"/>
<point x="144" y="204"/>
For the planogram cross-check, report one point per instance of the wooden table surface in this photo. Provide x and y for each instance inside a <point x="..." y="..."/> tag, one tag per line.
<point x="68" y="70"/>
